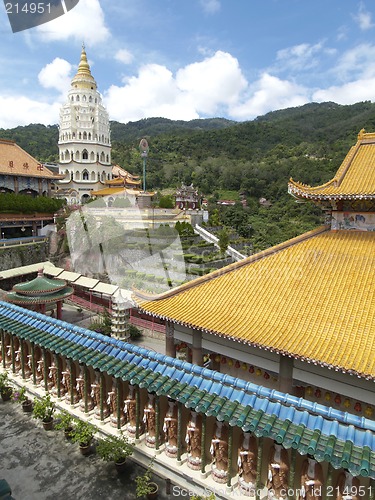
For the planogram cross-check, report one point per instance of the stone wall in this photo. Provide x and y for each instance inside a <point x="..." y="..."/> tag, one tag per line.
<point x="23" y="255"/>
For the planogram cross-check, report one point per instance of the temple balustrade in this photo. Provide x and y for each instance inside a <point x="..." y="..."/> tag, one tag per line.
<point x="196" y="433"/>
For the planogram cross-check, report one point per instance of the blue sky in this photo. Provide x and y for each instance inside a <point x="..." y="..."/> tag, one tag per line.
<point x="191" y="59"/>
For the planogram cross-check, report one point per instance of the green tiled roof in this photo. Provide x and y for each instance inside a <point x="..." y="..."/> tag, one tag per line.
<point x="344" y="440"/>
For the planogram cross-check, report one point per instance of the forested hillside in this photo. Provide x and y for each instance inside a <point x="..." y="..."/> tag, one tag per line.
<point x="253" y="159"/>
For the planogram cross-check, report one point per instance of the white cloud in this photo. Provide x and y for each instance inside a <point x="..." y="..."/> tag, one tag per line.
<point x="300" y="57"/>
<point x="20" y="110"/>
<point x="124" y="56"/>
<point x="56" y="75"/>
<point x="198" y="89"/>
<point x="349" y="93"/>
<point x="215" y="81"/>
<point x="358" y="62"/>
<point x="363" y="18"/>
<point x="83" y="23"/>
<point x="269" y="93"/>
<point x="210" y="6"/>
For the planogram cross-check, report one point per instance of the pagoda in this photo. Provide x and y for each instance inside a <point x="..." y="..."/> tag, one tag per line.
<point x="84" y="138"/>
<point x="39" y="293"/>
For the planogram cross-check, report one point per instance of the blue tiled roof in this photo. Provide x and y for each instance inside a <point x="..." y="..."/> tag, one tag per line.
<point x="309" y="427"/>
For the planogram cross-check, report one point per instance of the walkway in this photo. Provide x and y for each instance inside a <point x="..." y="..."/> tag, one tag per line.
<point x="43" y="465"/>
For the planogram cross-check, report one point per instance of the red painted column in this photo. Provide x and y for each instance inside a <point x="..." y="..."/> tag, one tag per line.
<point x="59" y="309"/>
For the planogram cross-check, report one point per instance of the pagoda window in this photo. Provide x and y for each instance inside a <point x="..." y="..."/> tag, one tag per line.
<point x="85" y="175"/>
<point x="98" y="176"/>
<point x="85" y="135"/>
<point x="93" y="176"/>
<point x="72" y="98"/>
<point x="108" y="177"/>
<point x="77" y="98"/>
<point x="85" y="154"/>
<point x="74" y="135"/>
<point x="89" y="136"/>
<point x="107" y="158"/>
<point x="102" y="157"/>
<point x="84" y="98"/>
<point x="92" y="156"/>
<point x="90" y="99"/>
<point x="102" y="138"/>
<point x="79" y="135"/>
<point x="66" y="154"/>
<point x="78" y="176"/>
<point x="77" y="155"/>
<point x="71" y="176"/>
<point x="97" y="156"/>
<point x="103" y="176"/>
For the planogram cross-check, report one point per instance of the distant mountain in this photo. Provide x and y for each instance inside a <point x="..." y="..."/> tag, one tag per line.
<point x="324" y="123"/>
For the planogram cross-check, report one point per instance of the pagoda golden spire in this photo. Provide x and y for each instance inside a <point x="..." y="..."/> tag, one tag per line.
<point x="83" y="77"/>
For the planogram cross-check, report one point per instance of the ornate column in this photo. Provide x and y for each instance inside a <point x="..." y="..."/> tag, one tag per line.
<point x="32" y="360"/>
<point x="292" y="471"/>
<point x="230" y="459"/>
<point x="13" y="354"/>
<point x="137" y="411"/>
<point x="259" y="468"/>
<point x="157" y="422"/>
<point x="2" y="347"/>
<point x="45" y="370"/>
<point x="170" y="349"/>
<point x="179" y="431"/>
<point x="328" y="485"/>
<point x="22" y="353"/>
<point x="203" y="444"/>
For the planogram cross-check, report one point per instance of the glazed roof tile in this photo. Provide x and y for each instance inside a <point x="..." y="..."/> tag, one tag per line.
<point x="355" y="179"/>
<point x="312" y="298"/>
<point x="341" y="438"/>
<point x="15" y="161"/>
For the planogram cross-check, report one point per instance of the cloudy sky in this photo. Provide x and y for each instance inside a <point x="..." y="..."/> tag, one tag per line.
<point x="191" y="59"/>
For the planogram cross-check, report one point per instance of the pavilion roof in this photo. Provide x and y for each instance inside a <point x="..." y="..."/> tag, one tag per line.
<point x="39" y="286"/>
<point x="355" y="179"/>
<point x="311" y="298"/>
<point x="15" y="161"/>
<point x="341" y="438"/>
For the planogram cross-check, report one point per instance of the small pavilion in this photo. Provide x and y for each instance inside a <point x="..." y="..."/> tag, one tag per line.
<point x="40" y="292"/>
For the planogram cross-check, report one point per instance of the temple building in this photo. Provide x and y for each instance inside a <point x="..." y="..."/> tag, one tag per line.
<point x="20" y="173"/>
<point x="84" y="138"/>
<point x="40" y="293"/>
<point x="267" y="388"/>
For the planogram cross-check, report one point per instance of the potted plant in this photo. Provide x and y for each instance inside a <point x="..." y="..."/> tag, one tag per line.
<point x="20" y="396"/>
<point x="115" y="449"/>
<point x="44" y="409"/>
<point x="146" y="487"/>
<point x="65" y="420"/>
<point x="5" y="387"/>
<point x="82" y="433"/>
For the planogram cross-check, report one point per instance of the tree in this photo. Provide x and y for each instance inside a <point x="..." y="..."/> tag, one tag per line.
<point x="223" y="236"/>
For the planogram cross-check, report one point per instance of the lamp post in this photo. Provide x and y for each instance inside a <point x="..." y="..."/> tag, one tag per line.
<point x="143" y="148"/>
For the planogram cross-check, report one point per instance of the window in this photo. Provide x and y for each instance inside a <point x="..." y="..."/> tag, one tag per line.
<point x="85" y="175"/>
<point x="85" y="154"/>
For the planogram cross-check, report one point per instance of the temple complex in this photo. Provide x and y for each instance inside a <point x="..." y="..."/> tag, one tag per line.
<point x="272" y="391"/>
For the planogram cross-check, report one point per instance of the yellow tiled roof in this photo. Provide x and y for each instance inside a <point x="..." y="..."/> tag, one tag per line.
<point x="355" y="179"/>
<point x="15" y="161"/>
<point x="312" y="297"/>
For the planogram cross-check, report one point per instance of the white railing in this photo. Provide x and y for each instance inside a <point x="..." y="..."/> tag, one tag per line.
<point x="211" y="238"/>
